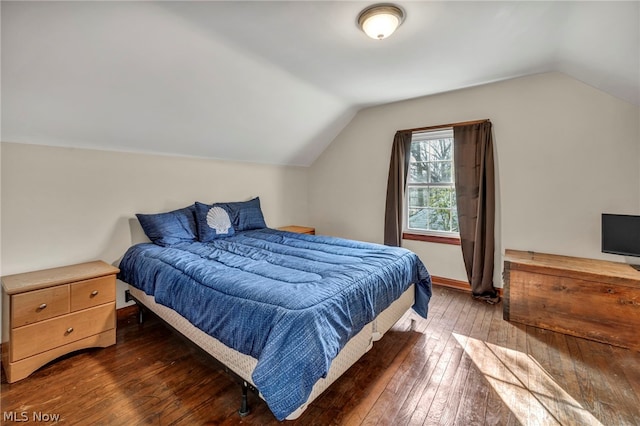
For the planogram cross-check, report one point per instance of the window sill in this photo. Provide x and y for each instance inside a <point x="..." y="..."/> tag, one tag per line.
<point x="431" y="238"/>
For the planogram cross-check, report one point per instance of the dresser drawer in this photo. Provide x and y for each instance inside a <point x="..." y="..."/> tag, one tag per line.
<point x="38" y="305"/>
<point x="36" y="338"/>
<point x="94" y="292"/>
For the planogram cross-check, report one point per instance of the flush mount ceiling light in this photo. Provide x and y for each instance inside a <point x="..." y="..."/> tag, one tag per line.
<point x="380" y="20"/>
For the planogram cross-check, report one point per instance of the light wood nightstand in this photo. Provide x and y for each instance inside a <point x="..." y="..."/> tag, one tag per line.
<point x="299" y="229"/>
<point x="49" y="313"/>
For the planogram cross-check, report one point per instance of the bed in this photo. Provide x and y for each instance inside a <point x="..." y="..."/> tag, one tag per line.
<point x="288" y="313"/>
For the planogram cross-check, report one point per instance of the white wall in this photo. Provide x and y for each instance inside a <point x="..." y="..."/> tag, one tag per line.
<point x="62" y="206"/>
<point x="565" y="153"/>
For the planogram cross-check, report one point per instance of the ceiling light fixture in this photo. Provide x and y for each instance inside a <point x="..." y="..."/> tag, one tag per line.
<point x="380" y="20"/>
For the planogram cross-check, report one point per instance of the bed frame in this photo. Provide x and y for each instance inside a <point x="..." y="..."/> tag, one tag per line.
<point x="241" y="366"/>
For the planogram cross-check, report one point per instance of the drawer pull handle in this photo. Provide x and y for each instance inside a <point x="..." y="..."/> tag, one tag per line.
<point x="69" y="330"/>
<point x="94" y="293"/>
<point x="41" y="307"/>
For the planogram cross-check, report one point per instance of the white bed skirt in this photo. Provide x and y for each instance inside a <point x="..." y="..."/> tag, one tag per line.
<point x="243" y="365"/>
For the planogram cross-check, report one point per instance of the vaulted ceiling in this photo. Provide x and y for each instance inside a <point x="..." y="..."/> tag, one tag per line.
<point x="275" y="82"/>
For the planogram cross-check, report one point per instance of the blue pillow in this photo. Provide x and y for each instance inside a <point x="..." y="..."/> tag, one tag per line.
<point x="213" y="221"/>
<point x="166" y="229"/>
<point x="245" y="215"/>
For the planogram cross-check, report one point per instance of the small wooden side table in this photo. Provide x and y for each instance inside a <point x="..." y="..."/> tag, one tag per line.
<point x="299" y="229"/>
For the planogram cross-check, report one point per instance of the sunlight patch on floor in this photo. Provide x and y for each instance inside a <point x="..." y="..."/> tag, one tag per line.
<point x="529" y="391"/>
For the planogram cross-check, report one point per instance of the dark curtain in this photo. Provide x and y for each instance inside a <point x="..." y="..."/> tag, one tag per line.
<point x="396" y="184"/>
<point x="475" y="196"/>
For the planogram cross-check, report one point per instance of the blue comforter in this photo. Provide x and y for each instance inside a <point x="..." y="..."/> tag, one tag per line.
<point x="291" y="301"/>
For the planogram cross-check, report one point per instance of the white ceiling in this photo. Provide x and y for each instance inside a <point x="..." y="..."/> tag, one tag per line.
<point x="275" y="82"/>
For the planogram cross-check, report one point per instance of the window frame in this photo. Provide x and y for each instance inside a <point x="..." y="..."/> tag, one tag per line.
<point x="444" y="237"/>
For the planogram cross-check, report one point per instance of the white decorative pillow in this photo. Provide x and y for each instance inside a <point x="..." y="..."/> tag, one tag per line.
<point x="213" y="222"/>
<point x="218" y="219"/>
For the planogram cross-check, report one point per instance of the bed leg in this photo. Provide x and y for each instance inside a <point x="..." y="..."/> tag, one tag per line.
<point x="128" y="298"/>
<point x="244" y="407"/>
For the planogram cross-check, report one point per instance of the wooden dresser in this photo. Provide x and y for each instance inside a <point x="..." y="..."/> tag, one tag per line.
<point x="49" y="313"/>
<point x="299" y="229"/>
<point x="594" y="299"/>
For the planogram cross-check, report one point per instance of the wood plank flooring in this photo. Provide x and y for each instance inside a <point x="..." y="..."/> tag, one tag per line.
<point x="464" y="365"/>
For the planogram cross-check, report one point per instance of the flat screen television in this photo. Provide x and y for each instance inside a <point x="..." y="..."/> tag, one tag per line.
<point x="621" y="234"/>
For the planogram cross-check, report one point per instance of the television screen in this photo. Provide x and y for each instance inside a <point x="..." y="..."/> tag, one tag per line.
<point x="621" y="234"/>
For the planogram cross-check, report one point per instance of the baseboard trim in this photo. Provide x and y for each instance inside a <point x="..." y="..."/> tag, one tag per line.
<point x="451" y="283"/>
<point x="456" y="284"/>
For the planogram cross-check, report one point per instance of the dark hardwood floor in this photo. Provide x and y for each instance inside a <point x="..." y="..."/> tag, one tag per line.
<point x="463" y="365"/>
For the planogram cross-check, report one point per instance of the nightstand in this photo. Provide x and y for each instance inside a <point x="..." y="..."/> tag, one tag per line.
<point x="299" y="229"/>
<point x="52" y="312"/>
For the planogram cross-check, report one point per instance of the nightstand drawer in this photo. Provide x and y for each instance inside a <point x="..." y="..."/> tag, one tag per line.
<point x="39" y="305"/>
<point x="36" y="338"/>
<point x="85" y="294"/>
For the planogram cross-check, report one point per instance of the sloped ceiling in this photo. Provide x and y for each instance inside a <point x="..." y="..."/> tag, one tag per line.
<point x="275" y="82"/>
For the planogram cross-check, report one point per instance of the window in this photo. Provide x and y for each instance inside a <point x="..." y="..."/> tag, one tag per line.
<point x="430" y="201"/>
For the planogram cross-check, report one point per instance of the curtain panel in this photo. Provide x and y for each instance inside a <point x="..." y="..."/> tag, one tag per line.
<point x="475" y="197"/>
<point x="396" y="185"/>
